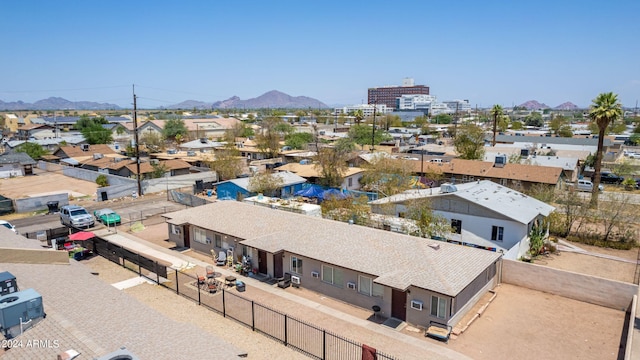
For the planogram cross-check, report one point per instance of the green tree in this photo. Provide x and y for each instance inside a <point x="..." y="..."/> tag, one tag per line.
<point x="565" y="131"/>
<point x="428" y="223"/>
<point x="420" y="121"/>
<point x="635" y="138"/>
<point x="102" y="180"/>
<point x="362" y="134"/>
<point x="273" y="130"/>
<point x="35" y="151"/>
<point x="534" y="119"/>
<point x="152" y="141"/>
<point x="227" y="162"/>
<point x="265" y="183"/>
<point x="516" y="125"/>
<point x="557" y="122"/>
<point x="442" y="119"/>
<point x="358" y="114"/>
<point x="159" y="170"/>
<point x="469" y="142"/>
<point x="503" y="123"/>
<point x="604" y="111"/>
<point x="496" y="112"/>
<point x="174" y="127"/>
<point x="387" y="175"/>
<point x="96" y="134"/>
<point x="331" y="162"/>
<point x="298" y="140"/>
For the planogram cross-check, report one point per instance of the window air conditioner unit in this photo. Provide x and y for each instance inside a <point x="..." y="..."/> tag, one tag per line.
<point x="295" y="281"/>
<point x="416" y="305"/>
<point x="351" y="285"/>
<point x="315" y="274"/>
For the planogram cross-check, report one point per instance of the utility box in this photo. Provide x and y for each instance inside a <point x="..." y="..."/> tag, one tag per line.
<point x="8" y="283"/>
<point x="18" y="309"/>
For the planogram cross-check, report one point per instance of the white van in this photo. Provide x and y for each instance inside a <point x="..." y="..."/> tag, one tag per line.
<point x="587" y="185"/>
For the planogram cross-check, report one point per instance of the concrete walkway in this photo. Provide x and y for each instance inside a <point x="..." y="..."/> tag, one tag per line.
<point x="180" y="261"/>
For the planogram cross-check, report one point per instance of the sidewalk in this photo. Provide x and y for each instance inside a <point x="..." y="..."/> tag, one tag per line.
<point x="565" y="246"/>
<point x="388" y="340"/>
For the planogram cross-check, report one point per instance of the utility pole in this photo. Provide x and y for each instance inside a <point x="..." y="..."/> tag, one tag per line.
<point x="455" y="121"/>
<point x="135" y="138"/>
<point x="373" y="128"/>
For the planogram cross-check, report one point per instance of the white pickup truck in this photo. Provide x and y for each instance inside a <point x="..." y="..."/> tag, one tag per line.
<point x="585" y="185"/>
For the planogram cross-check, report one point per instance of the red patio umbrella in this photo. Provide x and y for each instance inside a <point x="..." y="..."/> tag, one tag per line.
<point x="81" y="236"/>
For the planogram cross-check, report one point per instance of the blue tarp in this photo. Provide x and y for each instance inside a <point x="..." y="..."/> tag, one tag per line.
<point x="310" y="192"/>
<point x="332" y="193"/>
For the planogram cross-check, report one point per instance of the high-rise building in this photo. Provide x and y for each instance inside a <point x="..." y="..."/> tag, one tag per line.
<point x="387" y="94"/>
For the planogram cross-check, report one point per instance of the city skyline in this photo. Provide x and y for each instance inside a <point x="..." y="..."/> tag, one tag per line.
<point x="551" y="52"/>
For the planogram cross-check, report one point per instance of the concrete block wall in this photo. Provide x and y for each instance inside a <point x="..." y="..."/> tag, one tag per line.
<point x="40" y="202"/>
<point x="591" y="289"/>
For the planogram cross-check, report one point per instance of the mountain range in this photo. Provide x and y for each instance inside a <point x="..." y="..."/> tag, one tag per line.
<point x="271" y="99"/>
<point x="535" y="105"/>
<point x="56" y="103"/>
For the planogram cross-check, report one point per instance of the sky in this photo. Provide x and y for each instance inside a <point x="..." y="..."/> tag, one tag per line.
<point x="489" y="52"/>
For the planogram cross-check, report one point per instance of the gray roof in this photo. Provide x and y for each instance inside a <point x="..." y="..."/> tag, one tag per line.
<point x="495" y="197"/>
<point x="552" y="140"/>
<point x="18" y="157"/>
<point x="288" y="179"/>
<point x="393" y="259"/>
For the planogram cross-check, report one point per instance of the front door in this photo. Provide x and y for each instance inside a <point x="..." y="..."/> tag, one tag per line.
<point x="278" y="270"/>
<point x="399" y="304"/>
<point x="262" y="262"/>
<point x="185" y="238"/>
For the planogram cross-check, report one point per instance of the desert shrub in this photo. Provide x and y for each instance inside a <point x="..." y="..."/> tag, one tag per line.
<point x="102" y="180"/>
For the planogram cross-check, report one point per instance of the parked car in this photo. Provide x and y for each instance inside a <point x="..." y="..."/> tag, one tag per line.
<point x="610" y="178"/>
<point x="587" y="185"/>
<point x="8" y="226"/>
<point x="76" y="216"/>
<point x="107" y="217"/>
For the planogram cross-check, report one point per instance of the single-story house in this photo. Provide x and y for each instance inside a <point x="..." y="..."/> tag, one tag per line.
<point x="482" y="214"/>
<point x="240" y="188"/>
<point x="16" y="164"/>
<point x="412" y="279"/>
<point x="309" y="171"/>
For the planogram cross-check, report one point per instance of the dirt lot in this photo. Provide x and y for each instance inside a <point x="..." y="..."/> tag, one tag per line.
<point x="44" y="182"/>
<point x="593" y="265"/>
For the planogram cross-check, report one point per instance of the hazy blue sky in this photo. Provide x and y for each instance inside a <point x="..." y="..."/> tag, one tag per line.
<point x="490" y="52"/>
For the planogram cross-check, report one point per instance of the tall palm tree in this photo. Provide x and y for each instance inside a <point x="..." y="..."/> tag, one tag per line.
<point x="497" y="113"/>
<point x="604" y="110"/>
<point x="359" y="115"/>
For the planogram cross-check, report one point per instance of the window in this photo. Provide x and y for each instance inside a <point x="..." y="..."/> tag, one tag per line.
<point x="438" y="307"/>
<point x="296" y="265"/>
<point x="503" y="182"/>
<point x="456" y="225"/>
<point x="497" y="233"/>
<point x="218" y="239"/>
<point x="200" y="235"/>
<point x="350" y="182"/>
<point x="332" y="275"/>
<point x="364" y="285"/>
<point x="175" y="230"/>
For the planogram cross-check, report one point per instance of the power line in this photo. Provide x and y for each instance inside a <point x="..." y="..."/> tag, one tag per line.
<point x="52" y="90"/>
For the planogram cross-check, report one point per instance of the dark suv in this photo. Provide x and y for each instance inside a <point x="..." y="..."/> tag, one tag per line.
<point x="610" y="178"/>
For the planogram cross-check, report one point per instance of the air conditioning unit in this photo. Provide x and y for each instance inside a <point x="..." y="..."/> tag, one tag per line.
<point x="97" y="156"/>
<point x="416" y="305"/>
<point x="315" y="274"/>
<point x="295" y="281"/>
<point x="351" y="285"/>
<point x="84" y="147"/>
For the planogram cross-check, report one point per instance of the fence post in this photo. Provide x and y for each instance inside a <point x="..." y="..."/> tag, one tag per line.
<point x="324" y="344"/>
<point x="286" y="342"/>
<point x="253" y="317"/>
<point x="224" y="309"/>
<point x="122" y="253"/>
<point x="139" y="267"/>
<point x="198" y="282"/>
<point x="177" y="282"/>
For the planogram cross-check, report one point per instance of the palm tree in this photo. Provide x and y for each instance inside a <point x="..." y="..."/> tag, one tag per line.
<point x="359" y="115"/>
<point x="497" y="112"/>
<point x="604" y="110"/>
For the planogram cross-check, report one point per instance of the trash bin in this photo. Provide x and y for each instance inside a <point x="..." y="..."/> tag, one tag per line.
<point x="53" y="206"/>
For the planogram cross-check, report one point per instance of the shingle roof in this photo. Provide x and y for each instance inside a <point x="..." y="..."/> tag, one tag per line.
<point x="487" y="194"/>
<point x="76" y="151"/>
<point x="19" y="157"/>
<point x="395" y="260"/>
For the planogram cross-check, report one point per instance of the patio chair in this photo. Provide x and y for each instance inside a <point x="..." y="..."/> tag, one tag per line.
<point x="285" y="282"/>
<point x="210" y="272"/>
<point x="222" y="258"/>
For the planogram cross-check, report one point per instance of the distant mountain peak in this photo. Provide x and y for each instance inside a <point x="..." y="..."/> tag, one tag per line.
<point x="566" y="106"/>
<point x="56" y="103"/>
<point x="534" y="105"/>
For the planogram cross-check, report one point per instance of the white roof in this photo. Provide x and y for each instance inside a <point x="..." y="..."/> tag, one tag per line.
<point x="497" y="198"/>
<point x="288" y="178"/>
